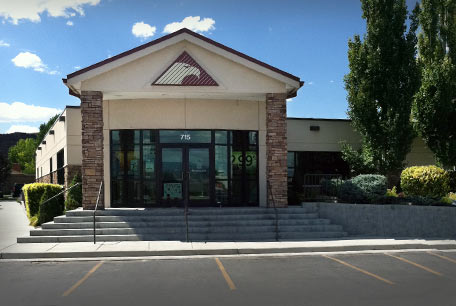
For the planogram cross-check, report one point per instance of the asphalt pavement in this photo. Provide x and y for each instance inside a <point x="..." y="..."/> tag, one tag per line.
<point x="383" y="278"/>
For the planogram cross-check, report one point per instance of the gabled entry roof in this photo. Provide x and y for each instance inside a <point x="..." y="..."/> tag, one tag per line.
<point x="73" y="80"/>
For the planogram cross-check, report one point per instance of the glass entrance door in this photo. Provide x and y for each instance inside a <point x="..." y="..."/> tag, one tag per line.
<point x="185" y="175"/>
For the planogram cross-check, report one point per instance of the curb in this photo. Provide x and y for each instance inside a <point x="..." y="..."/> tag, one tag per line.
<point x="215" y="252"/>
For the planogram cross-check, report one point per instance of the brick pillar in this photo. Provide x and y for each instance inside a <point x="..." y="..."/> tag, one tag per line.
<point x="276" y="149"/>
<point x="92" y="148"/>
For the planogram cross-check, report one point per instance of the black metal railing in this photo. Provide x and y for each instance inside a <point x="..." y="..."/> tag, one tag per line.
<point x="94" y="214"/>
<point x="275" y="211"/>
<point x="321" y="186"/>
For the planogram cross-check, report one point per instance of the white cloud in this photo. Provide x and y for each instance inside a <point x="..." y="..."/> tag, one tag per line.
<point x="4" y="44"/>
<point x="310" y="83"/>
<point x="192" y="23"/>
<point x="289" y="99"/>
<point x="21" y="112"/>
<point x="33" y="61"/>
<point x="22" y="128"/>
<point x="69" y="23"/>
<point x="77" y="67"/>
<point x="332" y="81"/>
<point x="143" y="30"/>
<point x="17" y="10"/>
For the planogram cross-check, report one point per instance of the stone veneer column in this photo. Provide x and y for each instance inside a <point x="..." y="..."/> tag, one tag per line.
<point x="92" y="148"/>
<point x="276" y="149"/>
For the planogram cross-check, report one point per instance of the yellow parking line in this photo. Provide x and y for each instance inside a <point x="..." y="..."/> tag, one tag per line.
<point x="360" y="270"/>
<point x="69" y="291"/>
<point x="416" y="265"/>
<point x="443" y="257"/>
<point x="225" y="274"/>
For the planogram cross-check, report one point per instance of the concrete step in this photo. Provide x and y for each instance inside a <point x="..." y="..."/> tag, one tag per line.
<point x="228" y="230"/>
<point x="120" y="224"/>
<point x="193" y="211"/>
<point x="269" y="216"/>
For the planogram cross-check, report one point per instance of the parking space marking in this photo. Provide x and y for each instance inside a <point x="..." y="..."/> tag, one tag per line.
<point x="443" y="257"/>
<point x="416" y="264"/>
<point x="225" y="274"/>
<point x="360" y="270"/>
<point x="69" y="291"/>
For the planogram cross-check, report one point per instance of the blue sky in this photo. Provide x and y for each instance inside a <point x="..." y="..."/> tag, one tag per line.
<point x="41" y="41"/>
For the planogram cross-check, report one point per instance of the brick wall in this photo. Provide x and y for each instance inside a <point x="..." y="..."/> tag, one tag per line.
<point x="276" y="149"/>
<point x="92" y="147"/>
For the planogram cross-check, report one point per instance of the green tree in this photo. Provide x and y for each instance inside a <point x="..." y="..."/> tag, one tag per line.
<point x="382" y="81"/>
<point x="435" y="103"/>
<point x="23" y="153"/>
<point x="5" y="169"/>
<point x="44" y="128"/>
<point x="74" y="197"/>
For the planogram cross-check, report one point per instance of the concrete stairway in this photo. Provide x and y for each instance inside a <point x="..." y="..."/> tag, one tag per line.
<point x="204" y="224"/>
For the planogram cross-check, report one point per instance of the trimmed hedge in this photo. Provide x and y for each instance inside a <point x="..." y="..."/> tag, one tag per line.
<point x="33" y="194"/>
<point x="364" y="188"/>
<point x="74" y="197"/>
<point x="52" y="208"/>
<point x="425" y="181"/>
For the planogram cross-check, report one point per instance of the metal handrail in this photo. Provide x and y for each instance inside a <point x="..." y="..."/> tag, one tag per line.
<point x="275" y="211"/>
<point x="63" y="191"/>
<point x="94" y="212"/>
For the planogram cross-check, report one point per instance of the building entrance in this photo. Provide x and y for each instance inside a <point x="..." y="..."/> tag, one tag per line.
<point x="185" y="175"/>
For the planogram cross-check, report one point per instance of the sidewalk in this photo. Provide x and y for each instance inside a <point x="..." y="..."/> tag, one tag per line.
<point x="14" y="223"/>
<point x="177" y="248"/>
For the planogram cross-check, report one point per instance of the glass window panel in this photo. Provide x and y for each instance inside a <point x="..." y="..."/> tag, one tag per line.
<point x="252" y="191"/>
<point x="149" y="192"/>
<point x="115" y="137"/>
<point x="198" y="167"/>
<point x="236" y="164"/>
<point x="236" y="193"/>
<point x="221" y="192"/>
<point x="172" y="164"/>
<point x="253" y="138"/>
<point x="149" y="162"/>
<point x="149" y="137"/>
<point x="251" y="164"/>
<point x="221" y="137"/>
<point x="182" y="136"/>
<point x="117" y="191"/>
<point x="290" y="159"/>
<point x="172" y="191"/>
<point x="134" y="191"/>
<point x="221" y="162"/>
<point x="133" y="159"/>
<point x="117" y="164"/>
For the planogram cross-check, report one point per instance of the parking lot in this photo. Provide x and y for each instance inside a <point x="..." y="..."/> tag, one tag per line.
<point x="396" y="278"/>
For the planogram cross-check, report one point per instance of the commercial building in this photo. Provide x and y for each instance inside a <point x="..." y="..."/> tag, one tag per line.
<point x="185" y="120"/>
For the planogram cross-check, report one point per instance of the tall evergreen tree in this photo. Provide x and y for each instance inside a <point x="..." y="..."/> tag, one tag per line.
<point x="435" y="103"/>
<point x="382" y="81"/>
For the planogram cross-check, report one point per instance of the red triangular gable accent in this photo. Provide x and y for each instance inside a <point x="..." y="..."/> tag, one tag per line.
<point x="184" y="71"/>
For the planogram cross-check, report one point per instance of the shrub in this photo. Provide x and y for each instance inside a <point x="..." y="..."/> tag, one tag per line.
<point x="452" y="183"/>
<point x="50" y="209"/>
<point x="33" y="194"/>
<point x="364" y="188"/>
<point x="74" y="197"/>
<point x="449" y="199"/>
<point x="392" y="192"/>
<point x="425" y="181"/>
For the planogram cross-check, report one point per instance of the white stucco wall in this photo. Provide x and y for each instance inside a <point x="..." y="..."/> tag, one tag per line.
<point x="332" y="132"/>
<point x="186" y="114"/>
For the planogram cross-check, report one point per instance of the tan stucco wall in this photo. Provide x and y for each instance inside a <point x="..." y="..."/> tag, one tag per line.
<point x="332" y="132"/>
<point x="185" y="114"/>
<point x="67" y="136"/>
<point x="138" y="75"/>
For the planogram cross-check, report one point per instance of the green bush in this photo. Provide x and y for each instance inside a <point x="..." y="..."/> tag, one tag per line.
<point x="74" y="197"/>
<point x="425" y="181"/>
<point x="33" y="193"/>
<point x="50" y="209"/>
<point x="364" y="188"/>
